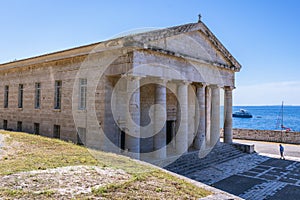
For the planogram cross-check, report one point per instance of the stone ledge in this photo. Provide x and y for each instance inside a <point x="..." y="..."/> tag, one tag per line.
<point x="246" y="148"/>
<point x="267" y="135"/>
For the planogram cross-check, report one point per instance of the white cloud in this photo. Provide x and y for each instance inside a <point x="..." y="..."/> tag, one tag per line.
<point x="268" y="94"/>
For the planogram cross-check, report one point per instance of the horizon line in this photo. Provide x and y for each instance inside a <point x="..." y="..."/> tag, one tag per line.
<point x="265" y="105"/>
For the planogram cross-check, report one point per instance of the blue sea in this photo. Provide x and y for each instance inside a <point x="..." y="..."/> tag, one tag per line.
<point x="269" y="117"/>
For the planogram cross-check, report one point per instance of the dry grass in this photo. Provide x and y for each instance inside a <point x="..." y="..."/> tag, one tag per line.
<point x="25" y="152"/>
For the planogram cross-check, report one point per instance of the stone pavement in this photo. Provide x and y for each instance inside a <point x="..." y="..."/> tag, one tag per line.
<point x="256" y="176"/>
<point x="192" y="161"/>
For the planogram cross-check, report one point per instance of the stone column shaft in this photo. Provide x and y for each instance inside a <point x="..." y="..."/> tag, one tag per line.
<point x="215" y="115"/>
<point x="182" y="119"/>
<point x="132" y="138"/>
<point x="160" y="116"/>
<point x="228" y="115"/>
<point x="200" y="116"/>
<point x="207" y="115"/>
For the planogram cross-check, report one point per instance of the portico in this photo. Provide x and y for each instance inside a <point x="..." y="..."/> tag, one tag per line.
<point x="155" y="102"/>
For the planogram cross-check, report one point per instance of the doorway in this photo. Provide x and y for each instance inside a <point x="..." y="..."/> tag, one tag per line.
<point x="170" y="131"/>
<point x="122" y="140"/>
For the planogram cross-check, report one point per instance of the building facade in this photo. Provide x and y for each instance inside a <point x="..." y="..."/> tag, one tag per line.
<point x="147" y="95"/>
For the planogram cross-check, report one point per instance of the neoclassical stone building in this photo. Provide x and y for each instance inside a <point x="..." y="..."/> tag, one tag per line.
<point x="150" y="94"/>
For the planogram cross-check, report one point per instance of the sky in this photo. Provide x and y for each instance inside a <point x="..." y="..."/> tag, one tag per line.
<point x="263" y="35"/>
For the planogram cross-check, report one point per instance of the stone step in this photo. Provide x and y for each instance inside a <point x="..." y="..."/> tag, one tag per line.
<point x="187" y="160"/>
<point x="195" y="157"/>
<point x="196" y="162"/>
<point x="195" y="168"/>
<point x="190" y="162"/>
<point x="185" y="168"/>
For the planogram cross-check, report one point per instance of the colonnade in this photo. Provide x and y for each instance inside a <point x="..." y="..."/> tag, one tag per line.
<point x="207" y="117"/>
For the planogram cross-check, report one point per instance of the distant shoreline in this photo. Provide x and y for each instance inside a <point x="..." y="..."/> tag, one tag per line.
<point x="264" y="105"/>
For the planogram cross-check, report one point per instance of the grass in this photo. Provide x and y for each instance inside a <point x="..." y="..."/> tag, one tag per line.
<point x="21" y="194"/>
<point x="26" y="152"/>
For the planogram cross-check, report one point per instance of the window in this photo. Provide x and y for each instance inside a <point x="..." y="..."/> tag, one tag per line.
<point x="82" y="93"/>
<point x="19" y="126"/>
<point x="81" y="135"/>
<point x="36" y="127"/>
<point x="56" y="131"/>
<point x="6" y="91"/>
<point x="20" y="96"/>
<point x="5" y="124"/>
<point x="37" y="99"/>
<point x="57" y="98"/>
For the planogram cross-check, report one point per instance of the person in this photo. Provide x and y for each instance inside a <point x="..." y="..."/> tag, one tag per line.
<point x="281" y="149"/>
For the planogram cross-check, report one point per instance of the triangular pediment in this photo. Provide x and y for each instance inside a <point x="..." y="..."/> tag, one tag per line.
<point x="190" y="40"/>
<point x="193" y="45"/>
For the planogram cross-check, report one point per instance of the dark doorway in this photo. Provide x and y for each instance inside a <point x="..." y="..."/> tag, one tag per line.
<point x="81" y="135"/>
<point x="170" y="131"/>
<point x="56" y="131"/>
<point x="5" y="124"/>
<point x="36" y="128"/>
<point x="19" y="126"/>
<point x="122" y="140"/>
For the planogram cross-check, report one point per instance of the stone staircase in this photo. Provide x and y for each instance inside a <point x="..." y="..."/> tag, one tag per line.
<point x="190" y="162"/>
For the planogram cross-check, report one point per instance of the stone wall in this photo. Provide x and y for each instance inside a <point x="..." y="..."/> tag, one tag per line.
<point x="47" y="116"/>
<point x="267" y="135"/>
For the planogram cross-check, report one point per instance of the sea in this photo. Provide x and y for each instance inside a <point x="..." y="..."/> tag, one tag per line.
<point x="269" y="117"/>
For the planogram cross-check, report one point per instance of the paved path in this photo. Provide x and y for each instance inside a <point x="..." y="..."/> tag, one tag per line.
<point x="257" y="176"/>
<point x="270" y="148"/>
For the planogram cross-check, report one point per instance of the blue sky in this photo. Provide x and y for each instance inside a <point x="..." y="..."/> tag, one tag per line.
<point x="263" y="35"/>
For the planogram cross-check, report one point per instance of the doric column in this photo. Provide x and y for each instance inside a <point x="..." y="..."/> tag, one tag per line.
<point x="160" y="116"/>
<point x="182" y="114"/>
<point x="207" y="115"/>
<point x="200" y="116"/>
<point x="132" y="138"/>
<point x="228" y="115"/>
<point x="215" y="114"/>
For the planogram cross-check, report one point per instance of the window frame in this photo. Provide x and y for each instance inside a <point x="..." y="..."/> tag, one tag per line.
<point x="37" y="95"/>
<point x="6" y="96"/>
<point x="57" y="94"/>
<point x="82" y="94"/>
<point x="20" y="95"/>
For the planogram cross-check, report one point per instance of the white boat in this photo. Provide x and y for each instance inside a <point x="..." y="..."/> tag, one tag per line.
<point x="242" y="114"/>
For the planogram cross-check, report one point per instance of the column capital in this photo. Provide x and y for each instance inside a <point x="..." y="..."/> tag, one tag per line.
<point x="183" y="82"/>
<point x="229" y="88"/>
<point x="197" y="84"/>
<point x="214" y="86"/>
<point x="161" y="81"/>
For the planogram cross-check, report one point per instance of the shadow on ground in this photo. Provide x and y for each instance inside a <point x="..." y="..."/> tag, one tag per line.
<point x="249" y="176"/>
<point x="271" y="179"/>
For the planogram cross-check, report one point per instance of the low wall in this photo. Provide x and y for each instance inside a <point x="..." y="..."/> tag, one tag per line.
<point x="267" y="135"/>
